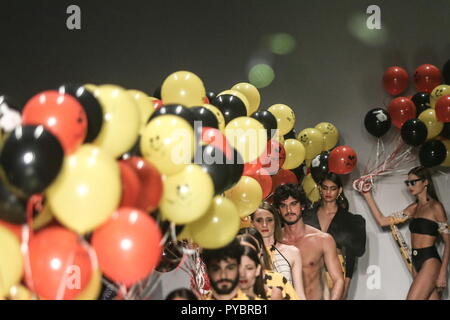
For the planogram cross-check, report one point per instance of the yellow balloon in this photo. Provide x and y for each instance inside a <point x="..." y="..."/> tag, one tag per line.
<point x="330" y="135"/>
<point x="248" y="136"/>
<point x="168" y="142"/>
<point x="93" y="288"/>
<point x="433" y="125"/>
<point x="218" y="226"/>
<point x="285" y="117"/>
<point x="217" y="113"/>
<point x="241" y="96"/>
<point x="246" y="195"/>
<point x="11" y="261"/>
<point x="439" y="91"/>
<point x="183" y="87"/>
<point x="187" y="195"/>
<point x="90" y="87"/>
<point x="43" y="218"/>
<point x="251" y="93"/>
<point x="145" y="106"/>
<point x="19" y="292"/>
<point x="121" y="120"/>
<point x="295" y="154"/>
<point x="446" y="162"/>
<point x="311" y="189"/>
<point x="87" y="191"/>
<point x="312" y="140"/>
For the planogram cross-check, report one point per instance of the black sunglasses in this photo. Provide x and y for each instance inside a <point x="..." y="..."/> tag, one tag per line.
<point x="412" y="182"/>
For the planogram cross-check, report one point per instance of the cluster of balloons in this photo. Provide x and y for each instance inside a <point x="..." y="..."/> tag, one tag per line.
<point x="424" y="118"/>
<point x="100" y="173"/>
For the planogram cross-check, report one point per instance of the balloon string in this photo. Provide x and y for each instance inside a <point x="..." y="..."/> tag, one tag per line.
<point x="27" y="234"/>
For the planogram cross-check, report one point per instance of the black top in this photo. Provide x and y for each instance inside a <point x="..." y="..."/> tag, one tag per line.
<point x="349" y="232"/>
<point x="424" y="226"/>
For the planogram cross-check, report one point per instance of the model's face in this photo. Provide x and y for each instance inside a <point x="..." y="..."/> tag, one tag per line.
<point x="415" y="185"/>
<point x="290" y="210"/>
<point x="329" y="191"/>
<point x="248" y="271"/>
<point x="224" y="275"/>
<point x="264" y="222"/>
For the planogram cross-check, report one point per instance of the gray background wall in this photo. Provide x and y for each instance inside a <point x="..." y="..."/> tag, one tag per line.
<point x="334" y="74"/>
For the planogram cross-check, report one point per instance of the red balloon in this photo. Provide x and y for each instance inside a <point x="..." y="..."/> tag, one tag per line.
<point x="60" y="266"/>
<point x="157" y="104"/>
<point x="401" y="109"/>
<point x="395" y="80"/>
<point x="264" y="179"/>
<point x="342" y="160"/>
<point x="150" y="182"/>
<point x="206" y="100"/>
<point x="61" y="114"/>
<point x="251" y="168"/>
<point x="427" y="77"/>
<point x="215" y="138"/>
<point x="128" y="246"/>
<point x="130" y="185"/>
<point x="283" y="177"/>
<point x="274" y="156"/>
<point x="443" y="109"/>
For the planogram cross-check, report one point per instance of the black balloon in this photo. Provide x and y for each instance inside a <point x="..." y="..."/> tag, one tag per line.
<point x="91" y="107"/>
<point x="211" y="96"/>
<point x="446" y="72"/>
<point x="377" y="122"/>
<point x="422" y="102"/>
<point x="432" y="153"/>
<point x="446" y="130"/>
<point x="231" y="106"/>
<point x="290" y="135"/>
<point x="12" y="207"/>
<point x="319" y="166"/>
<point x="206" y="116"/>
<point x="414" y="132"/>
<point x="177" y="110"/>
<point x="299" y="173"/>
<point x="268" y="120"/>
<point x="171" y="257"/>
<point x="235" y="168"/>
<point x="31" y="158"/>
<point x="213" y="162"/>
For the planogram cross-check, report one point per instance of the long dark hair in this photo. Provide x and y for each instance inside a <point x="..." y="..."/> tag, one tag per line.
<point x="424" y="173"/>
<point x="258" y="287"/>
<point x="252" y="236"/>
<point x="341" y="200"/>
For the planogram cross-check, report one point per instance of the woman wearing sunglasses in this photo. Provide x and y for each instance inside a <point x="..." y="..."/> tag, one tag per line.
<point x="427" y="220"/>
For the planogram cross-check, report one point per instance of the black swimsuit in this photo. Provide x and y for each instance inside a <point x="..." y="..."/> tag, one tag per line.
<point x="428" y="227"/>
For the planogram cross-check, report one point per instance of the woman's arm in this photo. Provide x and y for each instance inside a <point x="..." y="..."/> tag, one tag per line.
<point x="296" y="271"/>
<point x="441" y="218"/>
<point x="382" y="220"/>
